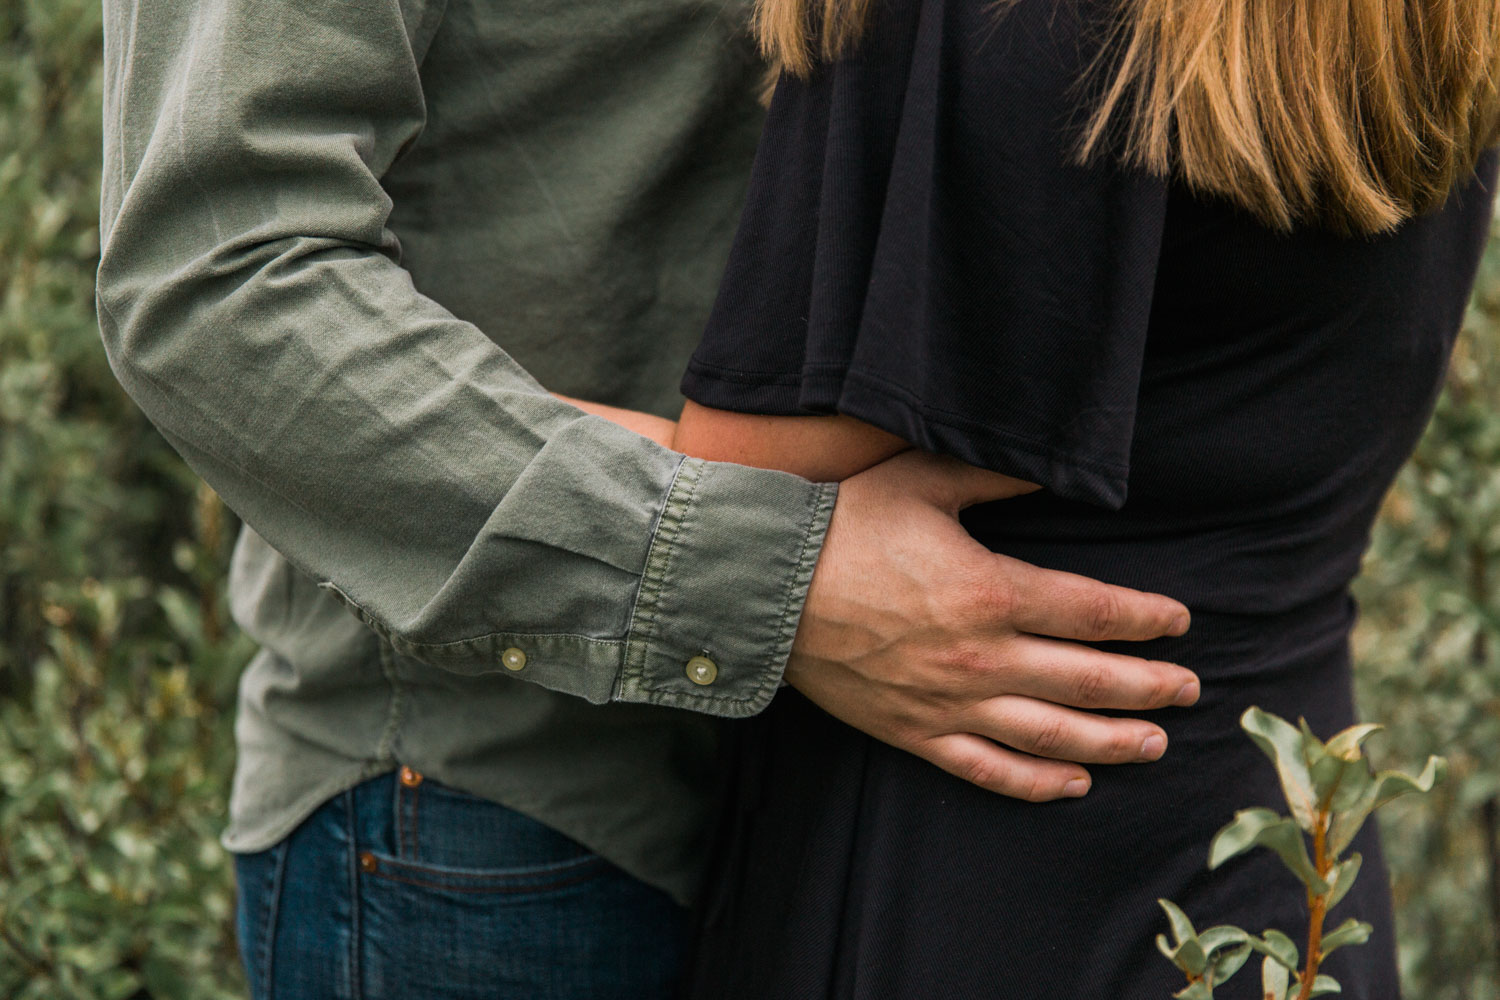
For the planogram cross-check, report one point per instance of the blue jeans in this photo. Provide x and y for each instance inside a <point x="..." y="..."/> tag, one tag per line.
<point x="403" y="889"/>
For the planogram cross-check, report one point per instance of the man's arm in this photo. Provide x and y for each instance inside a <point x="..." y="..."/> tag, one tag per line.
<point x="251" y="302"/>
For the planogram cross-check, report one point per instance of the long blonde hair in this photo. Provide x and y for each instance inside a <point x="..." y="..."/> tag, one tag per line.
<point x="1354" y="113"/>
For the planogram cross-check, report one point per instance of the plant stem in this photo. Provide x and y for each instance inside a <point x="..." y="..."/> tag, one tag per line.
<point x="1317" y="906"/>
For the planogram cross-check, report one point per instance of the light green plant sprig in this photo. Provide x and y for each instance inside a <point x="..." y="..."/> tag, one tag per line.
<point x="1331" y="790"/>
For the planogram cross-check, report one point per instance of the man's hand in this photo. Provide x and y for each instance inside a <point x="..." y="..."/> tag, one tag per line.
<point x="916" y="634"/>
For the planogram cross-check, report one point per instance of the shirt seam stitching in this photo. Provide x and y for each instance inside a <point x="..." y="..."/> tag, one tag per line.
<point x="640" y="629"/>
<point x="390" y="635"/>
<point x="654" y="577"/>
<point x="396" y="713"/>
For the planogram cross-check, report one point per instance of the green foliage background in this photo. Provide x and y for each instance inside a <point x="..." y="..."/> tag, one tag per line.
<point x="117" y="662"/>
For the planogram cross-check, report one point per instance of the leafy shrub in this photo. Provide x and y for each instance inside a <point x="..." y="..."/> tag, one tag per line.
<point x="116" y="668"/>
<point x="1428" y="654"/>
<point x="1330" y="791"/>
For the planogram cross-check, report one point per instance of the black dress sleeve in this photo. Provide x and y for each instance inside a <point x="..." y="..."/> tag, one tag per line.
<point x="920" y="250"/>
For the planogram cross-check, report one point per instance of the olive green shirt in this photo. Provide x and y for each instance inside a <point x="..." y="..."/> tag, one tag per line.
<point x="346" y="245"/>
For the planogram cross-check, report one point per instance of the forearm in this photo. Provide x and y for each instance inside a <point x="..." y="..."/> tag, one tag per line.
<point x="823" y="449"/>
<point x="658" y="429"/>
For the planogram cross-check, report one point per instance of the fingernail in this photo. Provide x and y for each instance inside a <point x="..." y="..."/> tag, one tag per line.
<point x="1180" y="623"/>
<point x="1187" y="695"/>
<point x="1154" y="746"/>
<point x="1076" y="788"/>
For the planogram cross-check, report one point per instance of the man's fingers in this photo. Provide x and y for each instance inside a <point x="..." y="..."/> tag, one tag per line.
<point x="1004" y="772"/>
<point x="1048" y="730"/>
<point x="1068" y="606"/>
<point x="1068" y="674"/>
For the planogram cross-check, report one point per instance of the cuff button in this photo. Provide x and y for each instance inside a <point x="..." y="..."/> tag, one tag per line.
<point x="702" y="671"/>
<point x="514" y="659"/>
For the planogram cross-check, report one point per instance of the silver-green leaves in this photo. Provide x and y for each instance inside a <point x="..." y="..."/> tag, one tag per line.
<point x="1374" y="791"/>
<point x="1263" y="828"/>
<point x="1285" y="745"/>
<point x="1207" y="959"/>
<point x="1330" y="791"/>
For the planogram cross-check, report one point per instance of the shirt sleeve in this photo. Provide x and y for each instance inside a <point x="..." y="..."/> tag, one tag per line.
<point x="921" y="249"/>
<point x="252" y="303"/>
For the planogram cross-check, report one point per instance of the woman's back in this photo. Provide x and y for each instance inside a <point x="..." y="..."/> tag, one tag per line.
<point x="1285" y="379"/>
<point x="1215" y="409"/>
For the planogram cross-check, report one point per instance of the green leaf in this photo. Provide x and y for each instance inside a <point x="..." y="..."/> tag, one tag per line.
<point x="1354" y="781"/>
<point x="1342" y="879"/>
<point x="1348" y="743"/>
<point x="1394" y="784"/>
<point x="1182" y="927"/>
<point x="1218" y="937"/>
<point x="1277" y="946"/>
<point x="163" y="978"/>
<point x="1187" y="956"/>
<point x="1313" y="749"/>
<point x="1383" y="787"/>
<point x="1324" y="985"/>
<point x="1238" y="836"/>
<point x="1226" y="949"/>
<point x="1351" y="931"/>
<point x="118" y="984"/>
<point x="1227" y="962"/>
<point x="1199" y="990"/>
<point x="1263" y="828"/>
<point x="1284" y="744"/>
<point x="1274" y="979"/>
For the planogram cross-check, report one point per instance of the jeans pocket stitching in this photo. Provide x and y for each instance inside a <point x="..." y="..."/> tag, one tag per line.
<point x="541" y="878"/>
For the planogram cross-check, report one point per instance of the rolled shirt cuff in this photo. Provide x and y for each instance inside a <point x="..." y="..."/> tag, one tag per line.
<point x="722" y="592"/>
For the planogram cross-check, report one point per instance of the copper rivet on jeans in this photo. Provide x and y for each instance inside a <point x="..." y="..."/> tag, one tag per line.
<point x="367" y="862"/>
<point x="410" y="778"/>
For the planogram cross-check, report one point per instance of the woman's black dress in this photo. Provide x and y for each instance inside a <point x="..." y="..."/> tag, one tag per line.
<point x="1214" y="409"/>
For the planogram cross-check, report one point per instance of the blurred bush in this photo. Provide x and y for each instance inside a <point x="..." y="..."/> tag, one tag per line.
<point x="1428" y="653"/>
<point x="117" y="663"/>
<point x="116" y="666"/>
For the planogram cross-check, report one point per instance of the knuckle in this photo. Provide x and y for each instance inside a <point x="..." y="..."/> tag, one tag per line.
<point x="908" y="733"/>
<point x="1037" y="789"/>
<point x="980" y="770"/>
<point x="1000" y="599"/>
<point x="1125" y="745"/>
<point x="965" y="661"/>
<point x="1102" y="614"/>
<point x="1163" y="689"/>
<point x="1048" y="737"/>
<point x="985" y="597"/>
<point x="1090" y="685"/>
